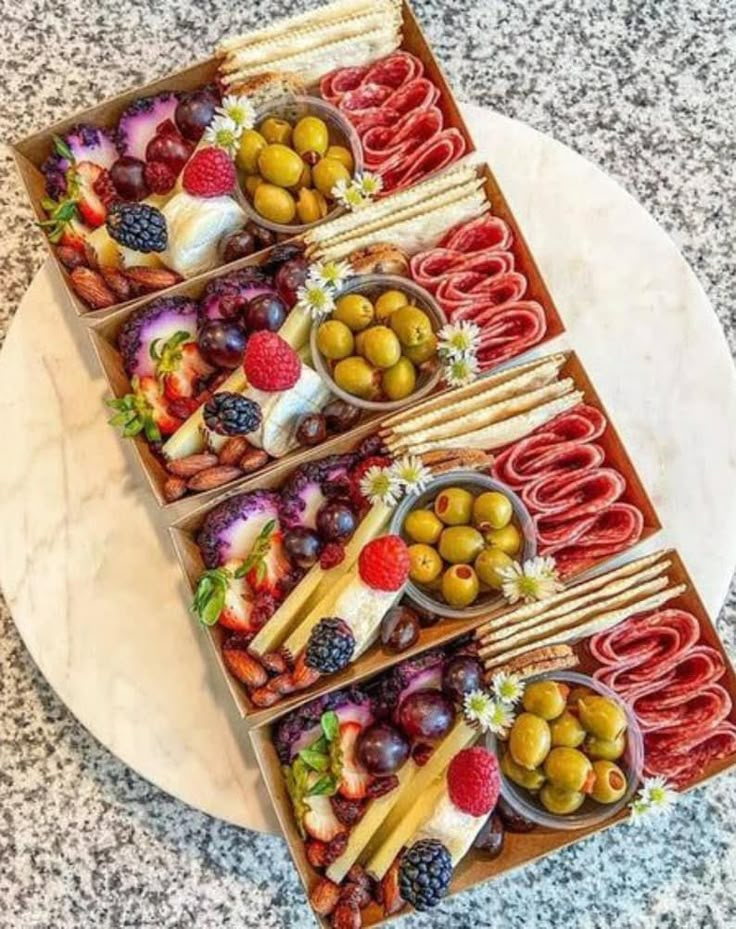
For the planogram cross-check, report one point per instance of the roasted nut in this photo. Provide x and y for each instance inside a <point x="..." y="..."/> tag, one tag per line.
<point x="191" y="465"/>
<point x="274" y="663"/>
<point x="174" y="489"/>
<point x="71" y="258"/>
<point x="233" y="450"/>
<point x="244" y="667"/>
<point x="117" y="282"/>
<point x="390" y="894"/>
<point x="213" y="477"/>
<point x="90" y="287"/>
<point x="264" y="697"/>
<point x="152" y="279"/>
<point x="324" y="897"/>
<point x="355" y="895"/>
<point x="253" y="460"/>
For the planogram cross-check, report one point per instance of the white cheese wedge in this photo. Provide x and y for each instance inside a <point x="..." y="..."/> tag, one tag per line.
<point x="362" y="608"/>
<point x="451" y="826"/>
<point x="195" y="227"/>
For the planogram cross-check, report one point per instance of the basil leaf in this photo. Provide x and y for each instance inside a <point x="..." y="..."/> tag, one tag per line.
<point x="325" y="785"/>
<point x="330" y="725"/>
<point x="315" y="760"/>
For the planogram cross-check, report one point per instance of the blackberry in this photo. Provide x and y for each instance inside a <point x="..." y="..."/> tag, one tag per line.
<point x="138" y="226"/>
<point x="231" y="414"/>
<point x="330" y="646"/>
<point x="425" y="872"/>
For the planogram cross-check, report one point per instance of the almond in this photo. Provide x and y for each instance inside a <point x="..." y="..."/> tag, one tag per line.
<point x="303" y="676"/>
<point x="264" y="697"/>
<point x="253" y="460"/>
<point x="390" y="894"/>
<point x="244" y="667"/>
<point x="346" y="916"/>
<point x="117" y="282"/>
<point x="282" y="684"/>
<point x="174" y="489"/>
<point x="151" y="279"/>
<point x="70" y="257"/>
<point x="324" y="897"/>
<point x="90" y="286"/>
<point x="233" y="450"/>
<point x="213" y="477"/>
<point x="274" y="662"/>
<point x="355" y="895"/>
<point x="191" y="465"/>
<point x="91" y="256"/>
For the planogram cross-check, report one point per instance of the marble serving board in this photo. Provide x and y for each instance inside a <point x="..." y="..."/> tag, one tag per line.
<point x="85" y="559"/>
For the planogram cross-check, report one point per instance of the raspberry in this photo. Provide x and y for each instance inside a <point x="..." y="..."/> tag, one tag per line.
<point x="270" y="363"/>
<point x="159" y="177"/>
<point x="473" y="781"/>
<point x="209" y="173"/>
<point x="332" y="554"/>
<point x="384" y="563"/>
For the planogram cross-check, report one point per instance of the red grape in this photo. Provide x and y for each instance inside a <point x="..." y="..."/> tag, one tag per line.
<point x="222" y="342"/>
<point x="194" y="113"/>
<point x="128" y="177"/>
<point x="426" y="715"/>
<point x="265" y="311"/>
<point x="169" y="148"/>
<point x="340" y="416"/>
<point x="399" y="628"/>
<point x="462" y="674"/>
<point x="303" y="546"/>
<point x="311" y="430"/>
<point x="382" y="748"/>
<point x="238" y="245"/>
<point x="289" y="278"/>
<point x="335" y="521"/>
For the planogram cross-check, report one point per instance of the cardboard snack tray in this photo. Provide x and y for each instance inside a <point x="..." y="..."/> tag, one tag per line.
<point x="30" y="152"/>
<point x="519" y="849"/>
<point x="184" y="533"/>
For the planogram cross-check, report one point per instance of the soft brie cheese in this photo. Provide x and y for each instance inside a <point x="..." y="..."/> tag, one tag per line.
<point x="195" y="227"/>
<point x="451" y="826"/>
<point x="362" y="608"/>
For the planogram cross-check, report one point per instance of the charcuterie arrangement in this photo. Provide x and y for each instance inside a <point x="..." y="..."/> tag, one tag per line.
<point x="405" y="563"/>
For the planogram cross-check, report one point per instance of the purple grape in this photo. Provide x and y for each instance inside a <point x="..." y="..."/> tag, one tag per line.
<point x="194" y="113"/>
<point x="303" y="546"/>
<point x="461" y="675"/>
<point x="265" y="311"/>
<point x="399" y="628"/>
<point x="289" y="278"/>
<point x="382" y="748"/>
<point x="128" y="178"/>
<point x="222" y="342"/>
<point x="336" y="522"/>
<point x="427" y="715"/>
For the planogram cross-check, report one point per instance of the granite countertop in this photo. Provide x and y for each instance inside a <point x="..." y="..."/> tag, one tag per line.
<point x="645" y="88"/>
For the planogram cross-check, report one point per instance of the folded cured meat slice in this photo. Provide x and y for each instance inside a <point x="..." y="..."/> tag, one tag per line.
<point x="557" y="498"/>
<point x="482" y="233"/>
<point x="364" y="97"/>
<point x="598" y="537"/>
<point x="668" y="725"/>
<point x="433" y="155"/>
<point x="548" y="458"/>
<point x="419" y="94"/>
<point x="398" y="140"/>
<point x="461" y="292"/>
<point x="395" y="70"/>
<point x="430" y="269"/>
<point x="682" y="767"/>
<point x="337" y="83"/>
<point x="509" y="330"/>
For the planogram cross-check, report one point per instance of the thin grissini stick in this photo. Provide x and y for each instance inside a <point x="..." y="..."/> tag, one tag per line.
<point x="503" y="433"/>
<point x="462" y="426"/>
<point x="627" y="586"/>
<point x="596" y="583"/>
<point x="538" y="372"/>
<point x="593" y="626"/>
<point x="538" y="626"/>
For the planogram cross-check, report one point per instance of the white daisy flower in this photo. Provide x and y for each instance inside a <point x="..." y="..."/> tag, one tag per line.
<point x="348" y="194"/>
<point x="479" y="707"/>
<point x="330" y="273"/>
<point x="654" y="796"/>
<point x="411" y="473"/>
<point x="501" y="718"/>
<point x="316" y="298"/>
<point x="378" y="485"/>
<point x="507" y="688"/>
<point x="536" y="579"/>
<point x="369" y="184"/>
<point x="461" y="371"/>
<point x="239" y="109"/>
<point x="458" y="340"/>
<point x="224" y="132"/>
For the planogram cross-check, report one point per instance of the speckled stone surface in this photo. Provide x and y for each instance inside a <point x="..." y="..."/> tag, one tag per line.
<point x="644" y="89"/>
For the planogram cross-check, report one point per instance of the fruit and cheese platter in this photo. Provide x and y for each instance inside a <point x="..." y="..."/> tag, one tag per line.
<point x="456" y="766"/>
<point x="370" y="313"/>
<point x="404" y="535"/>
<point x="412" y="544"/>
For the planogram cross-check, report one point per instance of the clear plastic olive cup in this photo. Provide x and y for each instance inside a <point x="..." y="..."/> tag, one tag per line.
<point x="591" y="813"/>
<point x="292" y="109"/>
<point x="477" y="483"/>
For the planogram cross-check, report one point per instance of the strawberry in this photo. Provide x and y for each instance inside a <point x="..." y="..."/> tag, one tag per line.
<point x="143" y="411"/>
<point x="209" y="173"/>
<point x="91" y="208"/>
<point x="319" y="820"/>
<point x="267" y="562"/>
<point x="354" y="779"/>
<point x="384" y="563"/>
<point x="74" y="236"/>
<point x="220" y="596"/>
<point x="179" y="365"/>
<point x="236" y="612"/>
<point x="149" y="388"/>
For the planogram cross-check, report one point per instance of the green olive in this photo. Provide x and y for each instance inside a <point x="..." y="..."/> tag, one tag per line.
<point x="601" y="717"/>
<point x="381" y="347"/>
<point x="309" y="207"/>
<point x="460" y="544"/>
<point x="425" y="565"/>
<point x="492" y="510"/>
<point x="568" y="769"/>
<point x="274" y="203"/>
<point x="423" y="526"/>
<point x="529" y="740"/>
<point x="608" y="749"/>
<point x="252" y="183"/>
<point x="454" y="506"/>
<point x="560" y="802"/>
<point x="610" y="782"/>
<point x="311" y="135"/>
<point x="355" y="310"/>
<point x="280" y="165"/>
<point x="276" y="130"/>
<point x="567" y="731"/>
<point x="411" y="325"/>
<point x="334" y="340"/>
<point x="341" y="154"/>
<point x="389" y="302"/>
<point x="575" y="694"/>
<point x="488" y="563"/>
<point x="507" y="539"/>
<point x="357" y="377"/>
<point x="399" y="380"/>
<point x="427" y="349"/>
<point x="545" y="698"/>
<point x="326" y="173"/>
<point x="530" y="779"/>
<point x="251" y="145"/>
<point x="460" y="585"/>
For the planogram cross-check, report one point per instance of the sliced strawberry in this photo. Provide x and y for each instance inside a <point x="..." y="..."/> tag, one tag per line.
<point x="91" y="208"/>
<point x="74" y="236"/>
<point x="193" y="362"/>
<point x="177" y="385"/>
<point x="354" y="779"/>
<point x="320" y="821"/>
<point x="268" y="563"/>
<point x="149" y="388"/>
